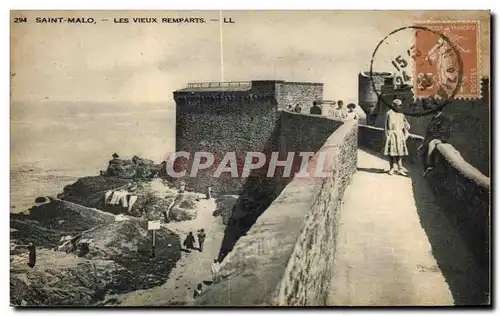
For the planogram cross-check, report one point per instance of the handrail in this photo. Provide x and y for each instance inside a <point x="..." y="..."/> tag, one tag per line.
<point x="219" y="84"/>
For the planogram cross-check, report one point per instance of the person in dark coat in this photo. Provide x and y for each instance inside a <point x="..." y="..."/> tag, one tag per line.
<point x="32" y="255"/>
<point x="189" y="241"/>
<point x="437" y="132"/>
<point x="316" y="109"/>
<point x="201" y="238"/>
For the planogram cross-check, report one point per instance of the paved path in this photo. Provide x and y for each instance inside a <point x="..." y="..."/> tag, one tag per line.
<point x="191" y="269"/>
<point x="395" y="246"/>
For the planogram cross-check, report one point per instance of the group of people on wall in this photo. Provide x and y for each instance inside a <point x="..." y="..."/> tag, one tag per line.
<point x="339" y="112"/>
<point x="397" y="131"/>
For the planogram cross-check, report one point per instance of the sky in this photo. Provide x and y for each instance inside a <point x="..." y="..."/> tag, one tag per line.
<point x="141" y="63"/>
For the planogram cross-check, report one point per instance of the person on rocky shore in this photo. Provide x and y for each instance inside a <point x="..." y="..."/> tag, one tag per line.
<point x="189" y="241"/>
<point x="201" y="238"/>
<point x="32" y="253"/>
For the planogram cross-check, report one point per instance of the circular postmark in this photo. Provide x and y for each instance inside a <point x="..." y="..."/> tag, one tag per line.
<point x="426" y="70"/>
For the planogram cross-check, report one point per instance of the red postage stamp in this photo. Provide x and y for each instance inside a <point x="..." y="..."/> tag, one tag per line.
<point x="447" y="60"/>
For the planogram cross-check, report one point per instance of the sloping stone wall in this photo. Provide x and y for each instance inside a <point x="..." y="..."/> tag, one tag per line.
<point x="294" y="133"/>
<point x="465" y="194"/>
<point x="463" y="191"/>
<point x="285" y="258"/>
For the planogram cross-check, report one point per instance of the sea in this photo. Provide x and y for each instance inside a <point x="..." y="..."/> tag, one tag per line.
<point x="55" y="143"/>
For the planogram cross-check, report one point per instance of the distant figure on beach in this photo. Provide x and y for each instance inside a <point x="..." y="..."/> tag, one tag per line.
<point x="437" y="132"/>
<point x="298" y="108"/>
<point x="32" y="255"/>
<point x="198" y="290"/>
<point x="201" y="238"/>
<point x="189" y="241"/>
<point x="396" y="132"/>
<point x="338" y="111"/>
<point x="215" y="271"/>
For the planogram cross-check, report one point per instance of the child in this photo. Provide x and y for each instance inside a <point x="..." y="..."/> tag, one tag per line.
<point x="396" y="131"/>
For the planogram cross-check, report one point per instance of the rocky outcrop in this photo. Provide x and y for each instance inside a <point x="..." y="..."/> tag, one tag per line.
<point x="135" y="168"/>
<point x="99" y="256"/>
<point x="156" y="198"/>
<point x="89" y="191"/>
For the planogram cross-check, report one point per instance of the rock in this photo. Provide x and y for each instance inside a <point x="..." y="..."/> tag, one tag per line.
<point x="62" y="215"/>
<point x="224" y="207"/>
<point x="184" y="207"/>
<point x="60" y="279"/>
<point x="133" y="168"/>
<point x="108" y="259"/>
<point x="42" y="199"/>
<point x="89" y="191"/>
<point x="178" y="214"/>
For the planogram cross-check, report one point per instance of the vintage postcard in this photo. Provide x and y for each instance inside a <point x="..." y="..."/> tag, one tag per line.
<point x="250" y="158"/>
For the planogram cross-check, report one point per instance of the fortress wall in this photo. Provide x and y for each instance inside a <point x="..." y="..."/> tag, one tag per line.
<point x="233" y="119"/>
<point x="286" y="258"/>
<point x="294" y="133"/>
<point x="462" y="190"/>
<point x="219" y="126"/>
<point x="465" y="194"/>
<point x="470" y="130"/>
<point x="303" y="93"/>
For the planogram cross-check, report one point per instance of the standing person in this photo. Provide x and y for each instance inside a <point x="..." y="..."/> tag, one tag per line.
<point x="298" y="108"/>
<point x="198" y="290"/>
<point x="351" y="114"/>
<point x="338" y="111"/>
<point x="437" y="132"/>
<point x="201" y="238"/>
<point x="31" y="255"/>
<point x="189" y="241"/>
<point x="396" y="132"/>
<point x="215" y="271"/>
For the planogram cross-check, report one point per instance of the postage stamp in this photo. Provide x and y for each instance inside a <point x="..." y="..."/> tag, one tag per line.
<point x="438" y="55"/>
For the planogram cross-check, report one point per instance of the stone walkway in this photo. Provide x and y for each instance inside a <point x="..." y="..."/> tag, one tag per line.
<point x="395" y="245"/>
<point x="191" y="269"/>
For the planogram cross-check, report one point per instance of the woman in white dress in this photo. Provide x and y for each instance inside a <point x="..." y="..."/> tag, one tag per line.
<point x="396" y="132"/>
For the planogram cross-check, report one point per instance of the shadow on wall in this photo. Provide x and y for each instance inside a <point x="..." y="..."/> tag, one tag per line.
<point x="293" y="132"/>
<point x="467" y="280"/>
<point x="257" y="194"/>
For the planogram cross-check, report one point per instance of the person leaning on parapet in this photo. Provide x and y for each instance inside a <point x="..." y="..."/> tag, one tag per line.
<point x="437" y="132"/>
<point x="338" y="111"/>
<point x="396" y="131"/>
